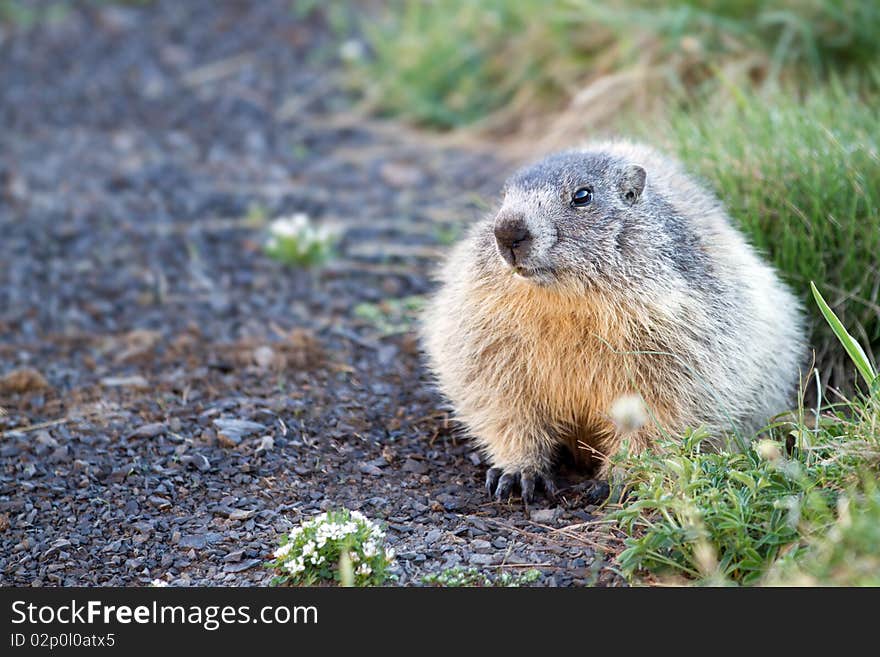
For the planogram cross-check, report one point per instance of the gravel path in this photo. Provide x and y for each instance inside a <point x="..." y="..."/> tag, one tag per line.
<point x="175" y="399"/>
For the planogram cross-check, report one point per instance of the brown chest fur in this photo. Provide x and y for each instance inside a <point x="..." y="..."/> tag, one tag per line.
<point x="567" y="359"/>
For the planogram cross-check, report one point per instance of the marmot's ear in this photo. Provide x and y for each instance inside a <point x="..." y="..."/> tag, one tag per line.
<point x="632" y="182"/>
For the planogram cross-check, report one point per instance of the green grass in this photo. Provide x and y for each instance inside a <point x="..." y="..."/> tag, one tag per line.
<point x="531" y="56"/>
<point x="391" y="316"/>
<point x="26" y="14"/>
<point x="847" y="553"/>
<point x="799" y="507"/>
<point x="473" y="577"/>
<point x="801" y="176"/>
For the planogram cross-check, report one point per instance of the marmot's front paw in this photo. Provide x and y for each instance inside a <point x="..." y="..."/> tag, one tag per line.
<point x="500" y="484"/>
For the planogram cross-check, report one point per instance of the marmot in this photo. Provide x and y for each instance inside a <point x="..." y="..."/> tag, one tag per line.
<point x="607" y="272"/>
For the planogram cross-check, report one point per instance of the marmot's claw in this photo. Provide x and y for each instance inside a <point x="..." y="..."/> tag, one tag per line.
<point x="527" y="486"/>
<point x="500" y="485"/>
<point x="550" y="489"/>
<point x="505" y="485"/>
<point x="492" y="477"/>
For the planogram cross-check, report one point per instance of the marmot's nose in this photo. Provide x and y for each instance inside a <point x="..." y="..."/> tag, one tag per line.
<point x="514" y="239"/>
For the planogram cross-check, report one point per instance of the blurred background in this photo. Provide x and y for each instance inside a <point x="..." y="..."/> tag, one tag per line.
<point x="229" y="211"/>
<point x="772" y="103"/>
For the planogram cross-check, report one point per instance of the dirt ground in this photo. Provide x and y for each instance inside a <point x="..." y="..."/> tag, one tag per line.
<point x="174" y="398"/>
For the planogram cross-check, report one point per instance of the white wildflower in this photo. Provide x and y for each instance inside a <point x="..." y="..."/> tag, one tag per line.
<point x="308" y="548"/>
<point x="363" y="569"/>
<point x="768" y="450"/>
<point x="389" y="554"/>
<point x="354" y="556"/>
<point x="293" y="226"/>
<point x="295" y="566"/>
<point x="282" y="551"/>
<point x="370" y="550"/>
<point x="352" y="50"/>
<point x="628" y="413"/>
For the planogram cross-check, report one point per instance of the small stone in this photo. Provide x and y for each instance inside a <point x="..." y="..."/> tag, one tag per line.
<point x="234" y="557"/>
<point x="148" y="430"/>
<point x="433" y="536"/>
<point x="231" y="431"/>
<point x="542" y="515"/>
<point x="370" y="469"/>
<point x="194" y="541"/>
<point x="481" y="545"/>
<point x="44" y="439"/>
<point x="229" y="440"/>
<point x="241" y="514"/>
<point x="59" y="455"/>
<point x="414" y="466"/>
<point x="119" y="474"/>
<point x="244" y="565"/>
<point x="197" y="461"/>
<point x="480" y="559"/>
<point x="451" y="502"/>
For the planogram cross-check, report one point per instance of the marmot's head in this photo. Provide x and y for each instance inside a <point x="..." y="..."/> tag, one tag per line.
<point x="574" y="216"/>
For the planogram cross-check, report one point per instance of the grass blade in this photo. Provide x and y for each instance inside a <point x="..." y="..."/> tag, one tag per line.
<point x="853" y="348"/>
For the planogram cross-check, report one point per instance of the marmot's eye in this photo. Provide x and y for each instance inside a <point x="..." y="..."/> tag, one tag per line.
<point x="582" y="197"/>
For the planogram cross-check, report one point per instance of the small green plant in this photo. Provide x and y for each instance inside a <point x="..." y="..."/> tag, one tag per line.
<point x="256" y="216"/>
<point x="846" y="554"/>
<point x="298" y="242"/>
<point x="473" y="577"/>
<point x="448" y="234"/>
<point x="800" y="507"/>
<point x="717" y="516"/>
<point x="391" y="316"/>
<point x="336" y="546"/>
